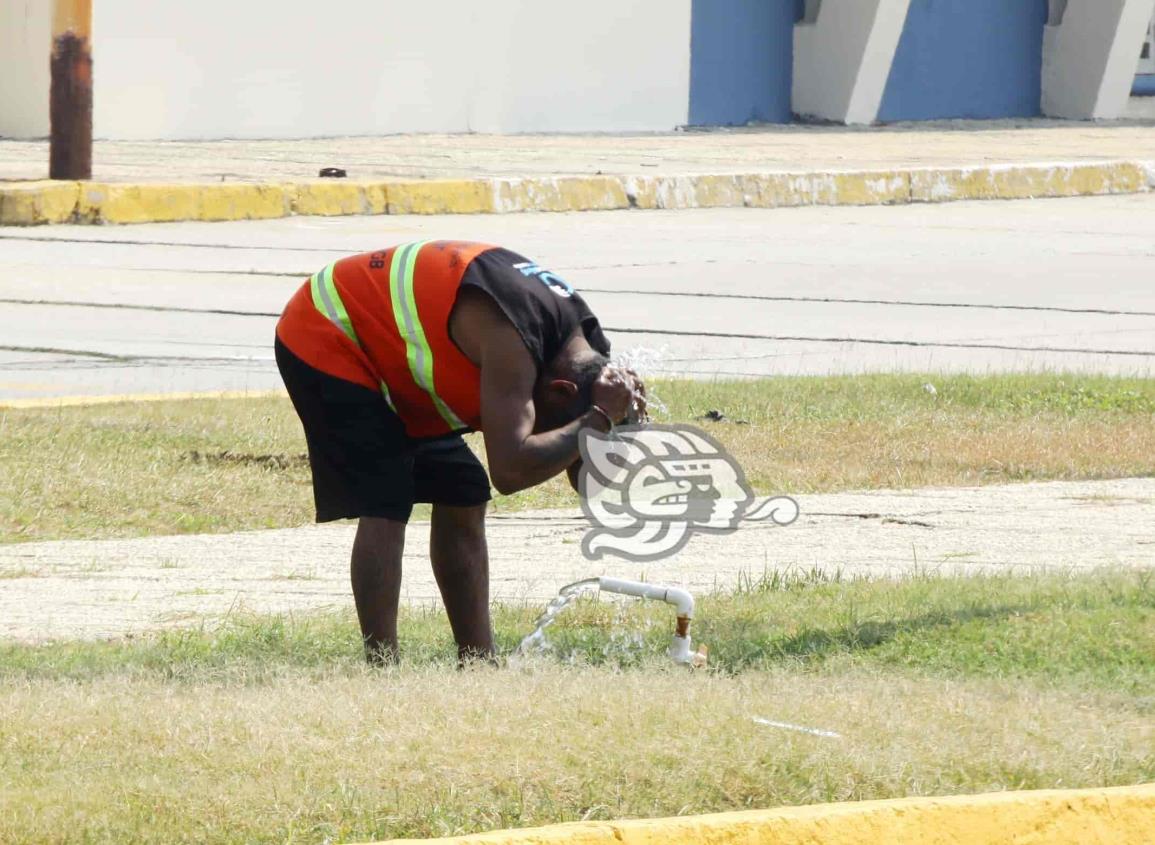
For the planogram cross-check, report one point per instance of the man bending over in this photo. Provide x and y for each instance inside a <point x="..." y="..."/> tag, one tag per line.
<point x="389" y="357"/>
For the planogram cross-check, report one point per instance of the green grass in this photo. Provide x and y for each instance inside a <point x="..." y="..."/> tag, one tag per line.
<point x="270" y="729"/>
<point x="225" y="465"/>
<point x="1097" y="629"/>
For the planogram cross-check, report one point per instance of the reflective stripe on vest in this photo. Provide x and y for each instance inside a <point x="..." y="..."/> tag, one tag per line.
<point x="328" y="301"/>
<point x="417" y="349"/>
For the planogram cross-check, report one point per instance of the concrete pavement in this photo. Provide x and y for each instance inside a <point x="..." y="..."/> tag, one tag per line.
<point x="762" y="167"/>
<point x="793" y="148"/>
<point x="1055" y="284"/>
<point x="105" y="588"/>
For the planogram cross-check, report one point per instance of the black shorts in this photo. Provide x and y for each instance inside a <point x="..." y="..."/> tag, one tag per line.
<point x="363" y="463"/>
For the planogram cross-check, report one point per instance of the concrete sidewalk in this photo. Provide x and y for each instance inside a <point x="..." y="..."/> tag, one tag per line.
<point x="757" y="167"/>
<point x="108" y="588"/>
<point x="791" y="148"/>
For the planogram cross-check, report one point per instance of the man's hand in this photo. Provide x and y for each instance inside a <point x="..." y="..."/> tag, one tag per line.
<point x="621" y="394"/>
<point x="640" y="409"/>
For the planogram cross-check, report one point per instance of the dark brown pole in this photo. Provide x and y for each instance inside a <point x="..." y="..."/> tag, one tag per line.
<point x="70" y="155"/>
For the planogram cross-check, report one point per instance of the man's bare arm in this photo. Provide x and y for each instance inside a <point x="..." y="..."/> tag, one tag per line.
<point x="573" y="473"/>
<point x="518" y="458"/>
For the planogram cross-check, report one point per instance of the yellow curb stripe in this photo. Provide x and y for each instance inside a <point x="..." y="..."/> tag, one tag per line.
<point x="332" y="198"/>
<point x="160" y="203"/>
<point x="35" y="203"/>
<point x="440" y="196"/>
<point x="1070" y="180"/>
<point x="125" y="398"/>
<point x="1119" y="816"/>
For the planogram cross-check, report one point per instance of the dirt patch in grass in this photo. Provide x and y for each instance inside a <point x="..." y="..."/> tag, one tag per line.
<point x="227" y="465"/>
<point x="276" y="462"/>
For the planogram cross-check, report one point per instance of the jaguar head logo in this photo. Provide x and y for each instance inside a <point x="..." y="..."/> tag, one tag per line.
<point x="646" y="489"/>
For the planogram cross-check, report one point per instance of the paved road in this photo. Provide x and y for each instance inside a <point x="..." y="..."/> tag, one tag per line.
<point x="1055" y="284"/>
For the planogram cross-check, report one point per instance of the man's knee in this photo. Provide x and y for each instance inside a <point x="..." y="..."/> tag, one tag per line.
<point x="470" y="516"/>
<point x="378" y="539"/>
<point x="381" y="530"/>
<point x="460" y="525"/>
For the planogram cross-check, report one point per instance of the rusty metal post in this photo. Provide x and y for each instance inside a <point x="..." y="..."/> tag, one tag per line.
<point x="70" y="155"/>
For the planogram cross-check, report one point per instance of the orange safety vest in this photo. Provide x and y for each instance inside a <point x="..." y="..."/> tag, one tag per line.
<point x="381" y="320"/>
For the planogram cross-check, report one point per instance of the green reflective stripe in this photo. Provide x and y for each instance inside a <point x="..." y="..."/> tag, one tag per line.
<point x="328" y="302"/>
<point x="417" y="349"/>
<point x="388" y="398"/>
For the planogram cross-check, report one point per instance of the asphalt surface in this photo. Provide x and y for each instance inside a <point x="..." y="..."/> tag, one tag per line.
<point x="994" y="286"/>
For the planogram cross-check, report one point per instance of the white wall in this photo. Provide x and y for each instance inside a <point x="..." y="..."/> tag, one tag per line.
<point x="25" y="45"/>
<point x="592" y="65"/>
<point x="1147" y="65"/>
<point x="1089" y="58"/>
<point x="842" y="58"/>
<point x="261" y="69"/>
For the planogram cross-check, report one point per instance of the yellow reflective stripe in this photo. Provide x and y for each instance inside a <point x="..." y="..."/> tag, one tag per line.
<point x="328" y="302"/>
<point x="417" y="350"/>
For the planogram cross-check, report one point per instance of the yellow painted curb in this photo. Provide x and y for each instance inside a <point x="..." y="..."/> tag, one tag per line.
<point x="1120" y="816"/>
<point x="35" y="203"/>
<point x="335" y="198"/>
<point x="440" y="196"/>
<point x="1059" y="180"/>
<point x="563" y="193"/>
<point x="123" y="398"/>
<point x="167" y="203"/>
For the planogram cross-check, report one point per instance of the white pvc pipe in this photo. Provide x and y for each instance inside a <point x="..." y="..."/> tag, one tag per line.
<point x="682" y="600"/>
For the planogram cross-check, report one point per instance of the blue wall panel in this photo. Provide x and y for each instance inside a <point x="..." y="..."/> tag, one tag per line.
<point x="967" y="58"/>
<point x="741" y="61"/>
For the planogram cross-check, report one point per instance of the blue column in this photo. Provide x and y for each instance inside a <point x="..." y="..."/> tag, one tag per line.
<point x="967" y="59"/>
<point x="741" y="61"/>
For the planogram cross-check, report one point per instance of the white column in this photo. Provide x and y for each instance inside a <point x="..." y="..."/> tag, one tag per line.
<point x="25" y="43"/>
<point x="1090" y="50"/>
<point x="843" y="51"/>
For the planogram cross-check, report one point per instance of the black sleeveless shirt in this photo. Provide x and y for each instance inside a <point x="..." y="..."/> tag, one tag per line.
<point x="543" y="308"/>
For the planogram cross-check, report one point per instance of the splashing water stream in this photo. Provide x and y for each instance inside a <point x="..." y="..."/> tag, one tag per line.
<point x="643" y="360"/>
<point x="536" y="642"/>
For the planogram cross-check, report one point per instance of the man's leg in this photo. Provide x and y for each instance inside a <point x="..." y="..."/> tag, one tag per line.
<point x="460" y="559"/>
<point x="376" y="575"/>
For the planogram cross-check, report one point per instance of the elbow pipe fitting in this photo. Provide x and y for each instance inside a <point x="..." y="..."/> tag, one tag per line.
<point x="683" y="602"/>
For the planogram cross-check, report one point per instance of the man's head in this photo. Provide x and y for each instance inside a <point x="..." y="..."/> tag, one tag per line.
<point x="563" y="390"/>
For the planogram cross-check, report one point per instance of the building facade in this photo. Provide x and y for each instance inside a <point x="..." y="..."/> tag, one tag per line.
<point x="216" y="69"/>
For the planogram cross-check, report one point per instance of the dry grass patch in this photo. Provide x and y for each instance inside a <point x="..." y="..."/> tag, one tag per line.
<point x="351" y="757"/>
<point x="271" y="730"/>
<point x="214" y="466"/>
